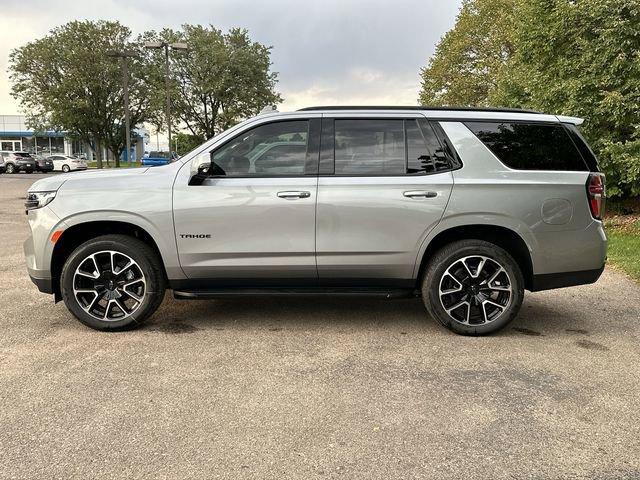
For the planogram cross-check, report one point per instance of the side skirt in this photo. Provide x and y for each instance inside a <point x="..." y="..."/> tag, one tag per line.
<point x="313" y="291"/>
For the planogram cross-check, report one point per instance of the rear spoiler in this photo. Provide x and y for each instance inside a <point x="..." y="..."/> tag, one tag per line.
<point x="574" y="120"/>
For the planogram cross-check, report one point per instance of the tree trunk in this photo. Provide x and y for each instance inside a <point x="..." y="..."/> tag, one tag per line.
<point x="116" y="155"/>
<point x="98" y="152"/>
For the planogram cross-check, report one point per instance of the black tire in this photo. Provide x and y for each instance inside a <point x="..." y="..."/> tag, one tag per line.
<point x="146" y="259"/>
<point x="10" y="168"/>
<point x="481" y="323"/>
<point x="66" y="169"/>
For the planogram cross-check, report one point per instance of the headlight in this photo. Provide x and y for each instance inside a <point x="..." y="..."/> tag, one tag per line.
<point x="38" y="199"/>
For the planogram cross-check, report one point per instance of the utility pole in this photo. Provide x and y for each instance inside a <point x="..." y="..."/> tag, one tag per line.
<point x="124" y="56"/>
<point x="166" y="46"/>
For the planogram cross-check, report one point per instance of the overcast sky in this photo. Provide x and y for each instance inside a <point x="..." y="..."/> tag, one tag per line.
<point x="325" y="51"/>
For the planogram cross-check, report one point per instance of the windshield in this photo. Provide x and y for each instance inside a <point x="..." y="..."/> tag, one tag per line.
<point x="22" y="154"/>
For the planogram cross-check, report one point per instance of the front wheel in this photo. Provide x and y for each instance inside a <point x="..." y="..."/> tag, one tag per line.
<point x="473" y="287"/>
<point x="113" y="282"/>
<point x="66" y="169"/>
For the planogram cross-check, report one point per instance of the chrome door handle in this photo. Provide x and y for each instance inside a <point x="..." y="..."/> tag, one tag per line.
<point x="420" y="194"/>
<point x="292" y="195"/>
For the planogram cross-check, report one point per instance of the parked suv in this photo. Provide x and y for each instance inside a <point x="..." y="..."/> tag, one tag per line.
<point x="467" y="208"/>
<point x="43" y="164"/>
<point x="15" y="162"/>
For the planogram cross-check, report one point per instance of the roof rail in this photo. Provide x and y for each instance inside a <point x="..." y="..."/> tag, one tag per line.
<point x="414" y="107"/>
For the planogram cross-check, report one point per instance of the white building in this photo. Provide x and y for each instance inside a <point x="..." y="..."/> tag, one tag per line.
<point x="14" y="135"/>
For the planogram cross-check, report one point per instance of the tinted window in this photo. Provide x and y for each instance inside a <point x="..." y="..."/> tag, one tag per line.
<point x="281" y="159"/>
<point x="424" y="153"/>
<point x="272" y="149"/>
<point x="369" y="147"/>
<point x="586" y="152"/>
<point x="526" y="146"/>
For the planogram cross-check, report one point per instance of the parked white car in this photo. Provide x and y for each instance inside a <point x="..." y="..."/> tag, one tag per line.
<point x="66" y="163"/>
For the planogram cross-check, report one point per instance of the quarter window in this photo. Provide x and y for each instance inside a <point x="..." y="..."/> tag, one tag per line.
<point x="274" y="149"/>
<point x="424" y="153"/>
<point x="527" y="146"/>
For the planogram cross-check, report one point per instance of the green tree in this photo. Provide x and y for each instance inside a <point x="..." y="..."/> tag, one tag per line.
<point x="65" y="80"/>
<point x="223" y="78"/>
<point x="581" y="58"/>
<point x="572" y="57"/>
<point x="469" y="58"/>
<point x="186" y="142"/>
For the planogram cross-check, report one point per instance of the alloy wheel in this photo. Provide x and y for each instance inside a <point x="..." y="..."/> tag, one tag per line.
<point x="475" y="290"/>
<point x="109" y="285"/>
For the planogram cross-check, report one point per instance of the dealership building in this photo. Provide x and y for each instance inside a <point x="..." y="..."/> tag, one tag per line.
<point x="16" y="136"/>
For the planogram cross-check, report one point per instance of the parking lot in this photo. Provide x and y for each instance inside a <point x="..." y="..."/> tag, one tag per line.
<point x="315" y="387"/>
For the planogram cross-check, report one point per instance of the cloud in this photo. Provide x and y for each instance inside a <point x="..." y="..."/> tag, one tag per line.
<point x="325" y="52"/>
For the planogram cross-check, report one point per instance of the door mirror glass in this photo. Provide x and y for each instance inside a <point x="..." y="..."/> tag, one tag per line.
<point x="200" y="167"/>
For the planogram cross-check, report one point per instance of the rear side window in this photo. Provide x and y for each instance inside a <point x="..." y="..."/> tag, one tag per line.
<point x="385" y="147"/>
<point x="530" y="146"/>
<point x="369" y="147"/>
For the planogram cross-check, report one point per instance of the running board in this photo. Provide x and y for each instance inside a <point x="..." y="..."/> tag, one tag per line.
<point x="238" y="292"/>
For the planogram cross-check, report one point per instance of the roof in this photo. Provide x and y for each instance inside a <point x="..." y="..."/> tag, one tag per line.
<point x="457" y="113"/>
<point x="421" y="108"/>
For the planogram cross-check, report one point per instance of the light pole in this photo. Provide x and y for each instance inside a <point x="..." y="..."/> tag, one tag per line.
<point x="125" y="85"/>
<point x="167" y="46"/>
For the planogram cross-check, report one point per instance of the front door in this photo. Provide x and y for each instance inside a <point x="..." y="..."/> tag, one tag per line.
<point x="384" y="184"/>
<point x="252" y="221"/>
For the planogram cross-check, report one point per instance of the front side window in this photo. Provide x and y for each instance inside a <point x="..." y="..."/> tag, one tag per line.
<point x="529" y="146"/>
<point x="274" y="149"/>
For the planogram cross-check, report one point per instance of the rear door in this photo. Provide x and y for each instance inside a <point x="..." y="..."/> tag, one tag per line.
<point x="384" y="184"/>
<point x="252" y="222"/>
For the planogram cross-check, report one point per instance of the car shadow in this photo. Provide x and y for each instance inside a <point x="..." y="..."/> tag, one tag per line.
<point x="536" y="318"/>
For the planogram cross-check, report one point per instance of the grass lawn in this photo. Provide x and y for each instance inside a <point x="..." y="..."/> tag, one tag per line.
<point x="113" y="164"/>
<point x="624" y="243"/>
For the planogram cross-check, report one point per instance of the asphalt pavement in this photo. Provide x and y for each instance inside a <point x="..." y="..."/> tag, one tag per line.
<point x="315" y="387"/>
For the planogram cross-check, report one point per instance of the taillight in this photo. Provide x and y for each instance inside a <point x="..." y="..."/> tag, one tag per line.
<point x="596" y="194"/>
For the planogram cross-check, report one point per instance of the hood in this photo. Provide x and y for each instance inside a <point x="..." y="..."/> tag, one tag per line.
<point x="54" y="182"/>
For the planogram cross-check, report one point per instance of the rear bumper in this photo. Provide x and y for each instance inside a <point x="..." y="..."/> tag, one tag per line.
<point x="550" y="281"/>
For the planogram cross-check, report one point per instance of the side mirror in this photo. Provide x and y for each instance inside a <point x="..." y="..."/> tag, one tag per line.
<point x="200" y="167"/>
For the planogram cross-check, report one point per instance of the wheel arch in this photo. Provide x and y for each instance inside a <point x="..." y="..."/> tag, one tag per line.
<point x="79" y="233"/>
<point x="503" y="237"/>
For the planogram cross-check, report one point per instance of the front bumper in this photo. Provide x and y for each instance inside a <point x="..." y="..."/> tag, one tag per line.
<point x="45" y="285"/>
<point x="38" y="249"/>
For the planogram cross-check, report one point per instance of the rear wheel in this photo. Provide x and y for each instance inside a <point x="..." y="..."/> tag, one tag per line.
<point x="473" y="287"/>
<point x="65" y="168"/>
<point x="113" y="282"/>
<point x="10" y="168"/>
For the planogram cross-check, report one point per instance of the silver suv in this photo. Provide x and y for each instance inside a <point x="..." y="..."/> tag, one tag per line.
<point x="465" y="207"/>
